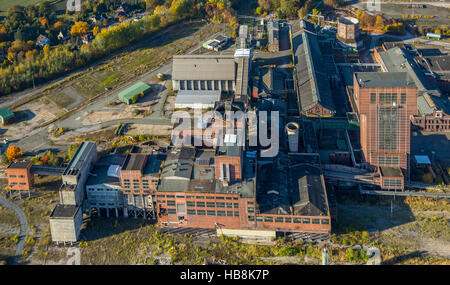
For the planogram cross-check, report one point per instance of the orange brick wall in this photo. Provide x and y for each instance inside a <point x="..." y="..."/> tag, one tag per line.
<point x="20" y="179"/>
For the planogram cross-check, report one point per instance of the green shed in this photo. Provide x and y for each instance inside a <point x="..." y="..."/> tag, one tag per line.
<point x="6" y="116"/>
<point x="132" y="93"/>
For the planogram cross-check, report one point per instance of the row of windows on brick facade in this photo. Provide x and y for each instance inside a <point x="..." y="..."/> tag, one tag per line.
<point x="19" y="176"/>
<point x="193" y="212"/>
<point x="388" y="160"/>
<point x="21" y="183"/>
<point x="289" y="220"/>
<point x="137" y="181"/>
<point x="392" y="183"/>
<point x="387" y="98"/>
<point x="202" y="204"/>
<point x="137" y="190"/>
<point x="197" y="197"/>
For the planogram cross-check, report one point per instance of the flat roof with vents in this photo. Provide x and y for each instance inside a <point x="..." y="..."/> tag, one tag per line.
<point x="384" y="79"/>
<point x="79" y="158"/>
<point x="203" y="67"/>
<point x="134" y="162"/>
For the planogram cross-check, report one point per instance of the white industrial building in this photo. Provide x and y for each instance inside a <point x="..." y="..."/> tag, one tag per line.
<point x="65" y="223"/>
<point x="104" y="191"/>
<point x="197" y="99"/>
<point x="76" y="174"/>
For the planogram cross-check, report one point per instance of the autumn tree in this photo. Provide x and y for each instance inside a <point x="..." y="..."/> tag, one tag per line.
<point x="379" y="22"/>
<point x="265" y="4"/>
<point x="13" y="152"/>
<point x="95" y="31"/>
<point x="79" y="28"/>
<point x="46" y="50"/>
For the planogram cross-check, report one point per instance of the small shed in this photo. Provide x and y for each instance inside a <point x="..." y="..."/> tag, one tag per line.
<point x="42" y="41"/>
<point x="433" y="36"/>
<point x="133" y="93"/>
<point x="6" y="116"/>
<point x="422" y="160"/>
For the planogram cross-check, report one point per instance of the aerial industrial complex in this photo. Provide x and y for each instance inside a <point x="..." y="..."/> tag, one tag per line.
<point x="335" y="124"/>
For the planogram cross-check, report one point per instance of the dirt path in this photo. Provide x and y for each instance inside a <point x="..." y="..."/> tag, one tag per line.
<point x="23" y="226"/>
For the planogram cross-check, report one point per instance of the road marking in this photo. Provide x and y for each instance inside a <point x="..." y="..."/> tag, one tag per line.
<point x="75" y="256"/>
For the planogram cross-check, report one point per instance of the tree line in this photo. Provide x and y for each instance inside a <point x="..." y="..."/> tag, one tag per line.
<point x="26" y="64"/>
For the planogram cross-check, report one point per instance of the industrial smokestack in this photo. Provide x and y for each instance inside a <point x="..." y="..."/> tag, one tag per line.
<point x="292" y="130"/>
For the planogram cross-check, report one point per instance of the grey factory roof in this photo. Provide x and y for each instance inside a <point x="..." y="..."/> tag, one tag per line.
<point x="19" y="164"/>
<point x="309" y="195"/>
<point x="229" y="150"/>
<point x="267" y="79"/>
<point x="183" y="153"/>
<point x="396" y="60"/>
<point x="134" y="161"/>
<point x="311" y="74"/>
<point x="423" y="106"/>
<point x="99" y="175"/>
<point x="116" y="159"/>
<point x="438" y="63"/>
<point x="197" y="97"/>
<point x="189" y="175"/>
<point x="153" y="165"/>
<point x="272" y="195"/>
<point x="272" y="31"/>
<point x="64" y="211"/>
<point x="204" y="67"/>
<point x="178" y="165"/>
<point x="177" y="169"/>
<point x="245" y="189"/>
<point x="243" y="31"/>
<point x="384" y="79"/>
<point x="242" y="76"/>
<point x="79" y="158"/>
<point x="391" y="171"/>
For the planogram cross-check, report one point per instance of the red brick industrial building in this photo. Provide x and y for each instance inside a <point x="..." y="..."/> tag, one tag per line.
<point x="189" y="195"/>
<point x="385" y="102"/>
<point x="20" y="176"/>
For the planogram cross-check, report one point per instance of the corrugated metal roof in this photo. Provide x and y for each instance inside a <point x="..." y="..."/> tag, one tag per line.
<point x="312" y="77"/>
<point x="204" y="67"/>
<point x="133" y="90"/>
<point x="242" y="76"/>
<point x="6" y="113"/>
<point x="193" y="98"/>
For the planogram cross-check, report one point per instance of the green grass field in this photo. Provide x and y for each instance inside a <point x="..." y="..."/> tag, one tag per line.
<point x="4" y="5"/>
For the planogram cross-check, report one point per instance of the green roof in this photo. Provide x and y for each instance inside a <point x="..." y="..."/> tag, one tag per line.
<point x="133" y="90"/>
<point x="6" y="113"/>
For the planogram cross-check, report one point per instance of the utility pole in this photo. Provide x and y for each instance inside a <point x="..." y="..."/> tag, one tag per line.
<point x="325" y="256"/>
<point x="392" y="208"/>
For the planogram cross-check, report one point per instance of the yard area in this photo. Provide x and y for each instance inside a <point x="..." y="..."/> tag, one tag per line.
<point x="119" y="70"/>
<point x="411" y="230"/>
<point x="37" y="210"/>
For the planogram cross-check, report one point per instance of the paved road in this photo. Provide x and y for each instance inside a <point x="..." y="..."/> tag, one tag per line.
<point x="23" y="226"/>
<point x="38" y="140"/>
<point x="444" y="4"/>
<point x="16" y="96"/>
<point x="376" y="255"/>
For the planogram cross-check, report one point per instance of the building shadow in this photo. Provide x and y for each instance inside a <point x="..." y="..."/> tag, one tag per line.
<point x="404" y="257"/>
<point x="24" y="115"/>
<point x="427" y="144"/>
<point x="356" y="212"/>
<point x="96" y="227"/>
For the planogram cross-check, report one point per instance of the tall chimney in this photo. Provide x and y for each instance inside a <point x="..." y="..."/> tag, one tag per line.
<point x="292" y="130"/>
